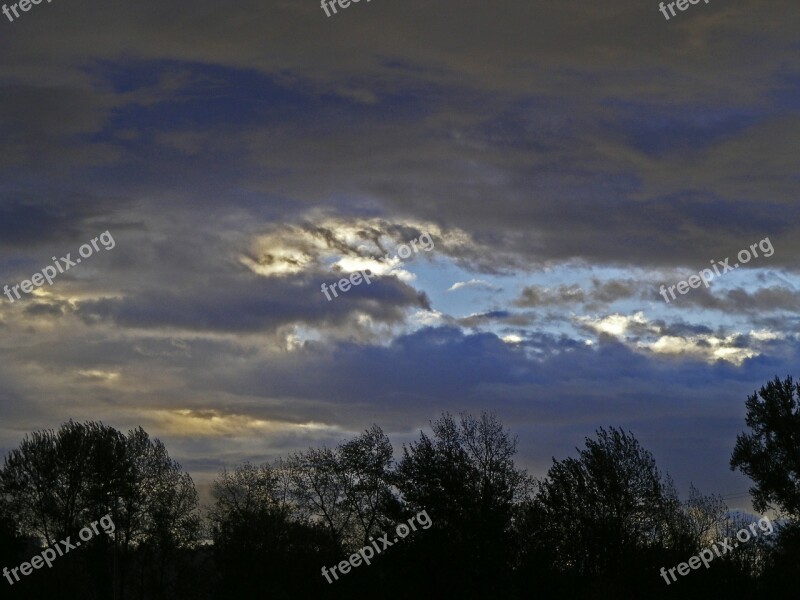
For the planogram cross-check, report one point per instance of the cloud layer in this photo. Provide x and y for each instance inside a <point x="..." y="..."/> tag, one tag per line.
<point x="567" y="159"/>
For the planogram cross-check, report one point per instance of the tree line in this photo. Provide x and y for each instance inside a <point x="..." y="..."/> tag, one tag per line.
<point x="600" y="524"/>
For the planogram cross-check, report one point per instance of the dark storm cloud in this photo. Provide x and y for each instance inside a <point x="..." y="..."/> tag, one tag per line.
<point x="572" y="389"/>
<point x="47" y="309"/>
<point x="432" y="364"/>
<point x="681" y="329"/>
<point x="235" y="305"/>
<point x="447" y="366"/>
<point x="638" y="124"/>
<point x="40" y="126"/>
<point x="27" y="222"/>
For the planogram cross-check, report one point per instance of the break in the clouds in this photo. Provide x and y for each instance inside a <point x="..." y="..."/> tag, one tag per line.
<point x="567" y="159"/>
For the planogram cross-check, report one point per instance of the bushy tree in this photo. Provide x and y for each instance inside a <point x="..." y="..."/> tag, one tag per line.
<point x="57" y="482"/>
<point x="465" y="478"/>
<point x="365" y="466"/>
<point x="346" y="489"/>
<point x="599" y="518"/>
<point x="255" y="531"/>
<point x="770" y="453"/>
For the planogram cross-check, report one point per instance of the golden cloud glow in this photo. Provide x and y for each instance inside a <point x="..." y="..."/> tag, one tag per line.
<point x="213" y="423"/>
<point x="615" y="324"/>
<point x="99" y="375"/>
<point x="704" y="346"/>
<point x="342" y="245"/>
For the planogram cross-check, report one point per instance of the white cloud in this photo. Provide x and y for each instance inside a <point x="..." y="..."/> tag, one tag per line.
<point x="706" y="347"/>
<point x="511" y="339"/>
<point x="476" y="283"/>
<point x="615" y="324"/>
<point x="710" y="347"/>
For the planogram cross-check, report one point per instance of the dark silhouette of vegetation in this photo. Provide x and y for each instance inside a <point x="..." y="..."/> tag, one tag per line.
<point x="466" y="479"/>
<point x="601" y="524"/>
<point x="57" y="482"/>
<point x="770" y="455"/>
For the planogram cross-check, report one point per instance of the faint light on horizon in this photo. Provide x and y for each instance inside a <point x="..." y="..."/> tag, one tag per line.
<point x="98" y="374"/>
<point x="214" y="423"/>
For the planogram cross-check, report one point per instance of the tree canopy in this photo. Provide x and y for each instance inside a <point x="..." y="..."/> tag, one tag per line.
<point x="601" y="523"/>
<point x="770" y="453"/>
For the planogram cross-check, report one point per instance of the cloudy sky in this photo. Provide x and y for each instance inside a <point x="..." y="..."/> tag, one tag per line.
<point x="566" y="158"/>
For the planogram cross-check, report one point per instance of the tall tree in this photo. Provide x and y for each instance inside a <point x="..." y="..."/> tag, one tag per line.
<point x="365" y="465"/>
<point x="319" y="490"/>
<point x="465" y="478"/>
<point x="57" y="482"/>
<point x="347" y="489"/>
<point x="598" y="517"/>
<point x="466" y="469"/>
<point x="770" y="454"/>
<point x="255" y="530"/>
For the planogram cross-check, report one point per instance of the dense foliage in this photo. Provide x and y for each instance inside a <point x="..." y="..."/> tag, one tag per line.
<point x="600" y="524"/>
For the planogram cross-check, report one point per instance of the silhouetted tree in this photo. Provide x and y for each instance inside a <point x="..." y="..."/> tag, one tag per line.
<point x="346" y="489"/>
<point x="11" y="544"/>
<point x="782" y="569"/>
<point x="599" y="525"/>
<point x="466" y="479"/>
<point x="57" y="482"/>
<point x="365" y="466"/>
<point x="261" y="548"/>
<point x="770" y="455"/>
<point x="600" y="517"/>
<point x="705" y="517"/>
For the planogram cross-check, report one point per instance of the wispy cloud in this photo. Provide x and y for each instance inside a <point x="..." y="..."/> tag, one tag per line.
<point x="473" y="283"/>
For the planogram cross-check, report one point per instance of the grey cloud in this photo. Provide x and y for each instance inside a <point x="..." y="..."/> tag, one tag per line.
<point x="255" y="306"/>
<point x="502" y="317"/>
<point x="535" y="295"/>
<point x="606" y="292"/>
<point x="561" y="132"/>
<point x="485" y="131"/>
<point x="597" y="295"/>
<point x="740" y="301"/>
<point x="48" y="309"/>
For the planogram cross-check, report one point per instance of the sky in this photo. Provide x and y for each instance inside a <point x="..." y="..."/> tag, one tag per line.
<point x="565" y="159"/>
